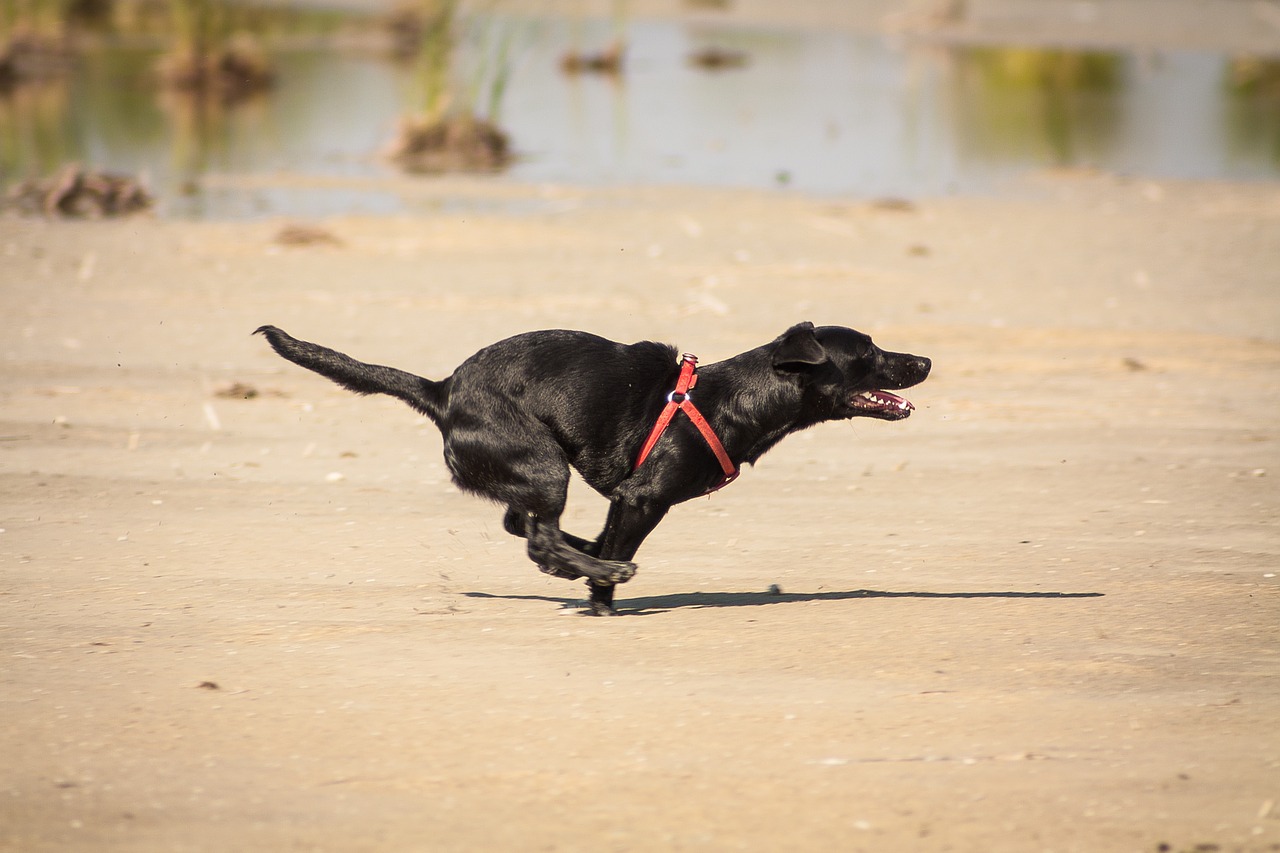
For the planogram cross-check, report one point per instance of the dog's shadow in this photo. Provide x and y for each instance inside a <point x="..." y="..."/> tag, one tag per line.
<point x="650" y="605"/>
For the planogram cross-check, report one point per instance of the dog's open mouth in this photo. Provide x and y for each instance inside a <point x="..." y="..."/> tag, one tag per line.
<point x="881" y="404"/>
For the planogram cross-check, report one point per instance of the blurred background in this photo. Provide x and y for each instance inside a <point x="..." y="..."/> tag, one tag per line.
<point x="218" y="109"/>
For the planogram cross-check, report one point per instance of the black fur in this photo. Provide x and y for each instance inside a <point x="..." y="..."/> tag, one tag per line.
<point x="518" y="414"/>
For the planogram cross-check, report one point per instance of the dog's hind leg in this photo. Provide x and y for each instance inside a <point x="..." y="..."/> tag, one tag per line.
<point x="601" y="600"/>
<point x="547" y="548"/>
<point x="514" y="523"/>
<point x="520" y="464"/>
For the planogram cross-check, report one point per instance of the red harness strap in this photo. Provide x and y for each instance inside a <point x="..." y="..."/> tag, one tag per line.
<point x="679" y="399"/>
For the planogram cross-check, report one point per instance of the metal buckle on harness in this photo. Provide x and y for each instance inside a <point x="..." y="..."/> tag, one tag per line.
<point x="688" y="361"/>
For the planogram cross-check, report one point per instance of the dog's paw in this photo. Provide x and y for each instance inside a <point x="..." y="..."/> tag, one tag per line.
<point x="598" y="608"/>
<point x="559" y="572"/>
<point x="619" y="571"/>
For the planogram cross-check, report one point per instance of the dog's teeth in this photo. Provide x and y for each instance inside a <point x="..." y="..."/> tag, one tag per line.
<point x="894" y="401"/>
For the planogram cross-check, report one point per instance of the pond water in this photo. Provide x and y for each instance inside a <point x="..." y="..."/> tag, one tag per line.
<point x="821" y="112"/>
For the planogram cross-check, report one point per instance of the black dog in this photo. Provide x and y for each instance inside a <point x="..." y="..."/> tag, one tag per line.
<point x="517" y="414"/>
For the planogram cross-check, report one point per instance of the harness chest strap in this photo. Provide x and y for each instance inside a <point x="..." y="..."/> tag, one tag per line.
<point x="679" y="399"/>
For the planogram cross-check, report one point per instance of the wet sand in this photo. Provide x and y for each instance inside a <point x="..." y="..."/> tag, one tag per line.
<point x="1238" y="27"/>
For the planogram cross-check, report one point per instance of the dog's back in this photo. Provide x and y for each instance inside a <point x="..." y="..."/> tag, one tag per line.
<point x="596" y="397"/>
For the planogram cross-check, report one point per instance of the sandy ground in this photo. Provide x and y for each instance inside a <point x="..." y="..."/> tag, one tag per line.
<point x="1042" y="614"/>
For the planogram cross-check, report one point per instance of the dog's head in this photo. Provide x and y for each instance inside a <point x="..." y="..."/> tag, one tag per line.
<point x="843" y="374"/>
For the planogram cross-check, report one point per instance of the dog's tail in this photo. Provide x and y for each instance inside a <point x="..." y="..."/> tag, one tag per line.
<point x="422" y="394"/>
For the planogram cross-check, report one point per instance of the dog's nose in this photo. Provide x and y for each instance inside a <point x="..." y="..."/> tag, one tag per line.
<point x="923" y="365"/>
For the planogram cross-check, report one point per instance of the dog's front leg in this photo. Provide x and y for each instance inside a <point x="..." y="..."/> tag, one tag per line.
<point x="629" y="522"/>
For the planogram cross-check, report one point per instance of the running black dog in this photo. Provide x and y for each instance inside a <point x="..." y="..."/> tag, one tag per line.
<point x="517" y="414"/>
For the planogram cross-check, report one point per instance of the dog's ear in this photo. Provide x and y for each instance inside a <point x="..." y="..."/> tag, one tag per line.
<point x="798" y="348"/>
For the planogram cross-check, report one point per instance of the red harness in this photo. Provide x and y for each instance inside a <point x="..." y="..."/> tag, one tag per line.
<point x="679" y="399"/>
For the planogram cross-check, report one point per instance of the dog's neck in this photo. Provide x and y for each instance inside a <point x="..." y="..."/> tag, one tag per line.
<point x="748" y="425"/>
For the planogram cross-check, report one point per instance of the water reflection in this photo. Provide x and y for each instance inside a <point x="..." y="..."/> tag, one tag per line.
<point x="33" y="129"/>
<point x="1054" y="107"/>
<point x="1252" y="115"/>
<point x="820" y="111"/>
